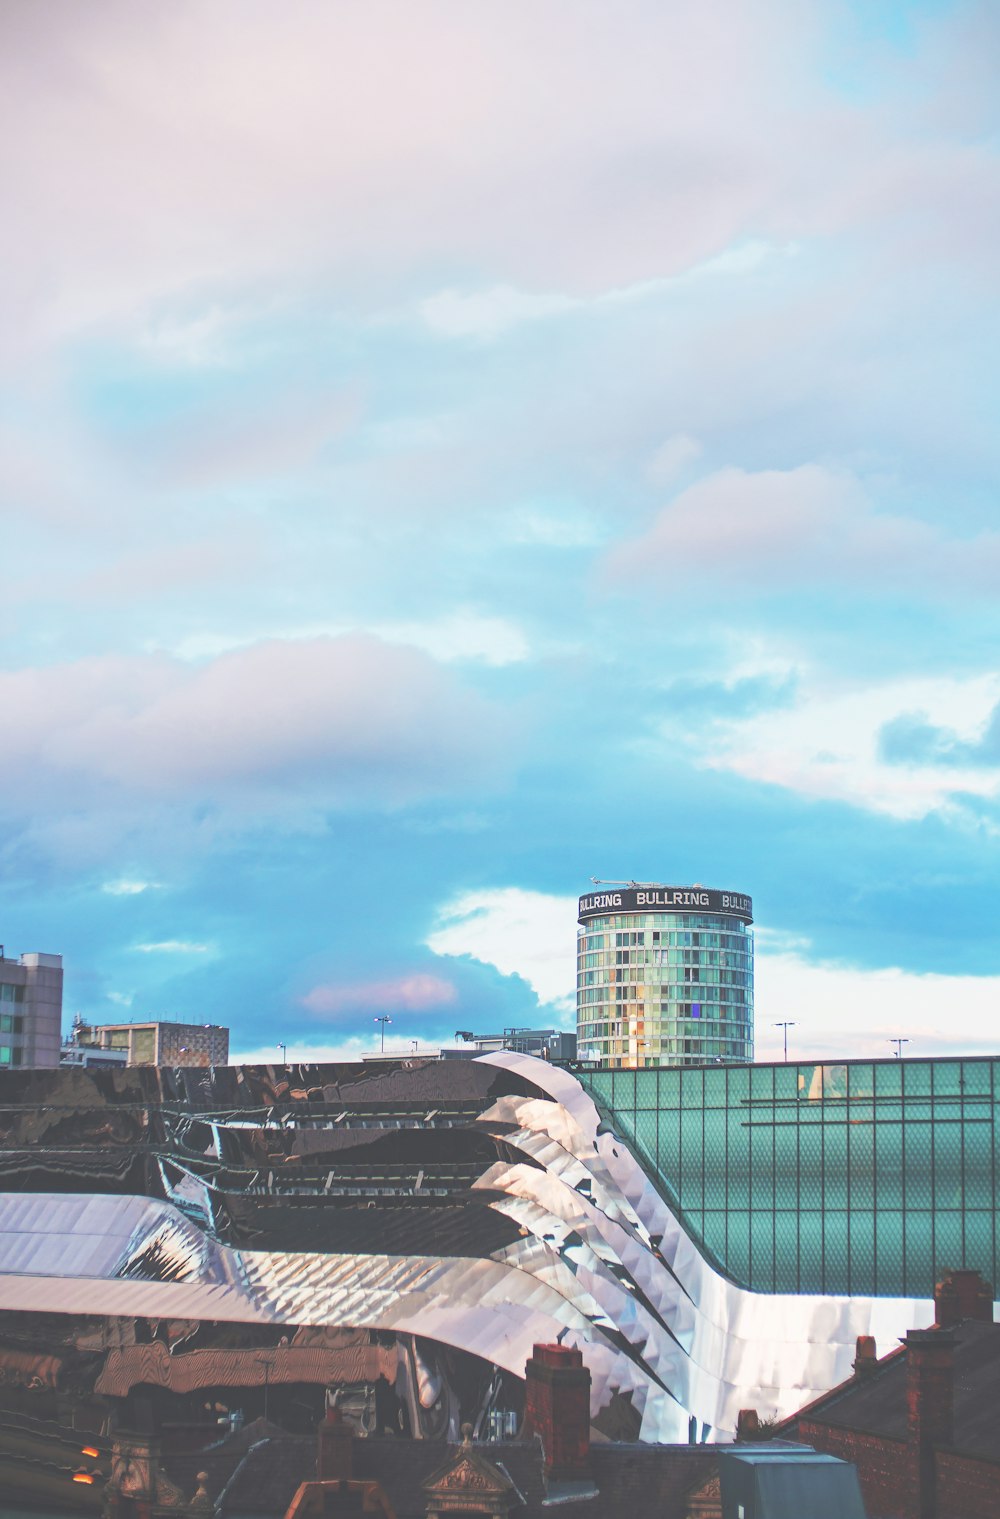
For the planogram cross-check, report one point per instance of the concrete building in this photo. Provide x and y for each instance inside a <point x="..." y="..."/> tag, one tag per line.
<point x="77" y="1050"/>
<point x="158" y="1043"/>
<point x="664" y="975"/>
<point x="30" y="1009"/>
<point x="546" y="1043"/>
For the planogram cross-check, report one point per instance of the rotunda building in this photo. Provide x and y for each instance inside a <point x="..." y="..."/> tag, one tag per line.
<point x="664" y="975"/>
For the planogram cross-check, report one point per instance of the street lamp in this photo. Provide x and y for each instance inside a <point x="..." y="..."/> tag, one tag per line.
<point x="284" y="1052"/>
<point x="899" y="1046"/>
<point x="789" y="1023"/>
<point x="267" y="1363"/>
<point x="383" y="1019"/>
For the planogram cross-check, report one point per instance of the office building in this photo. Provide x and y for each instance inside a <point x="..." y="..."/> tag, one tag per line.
<point x="158" y="1043"/>
<point x="31" y="989"/>
<point x="664" y="976"/>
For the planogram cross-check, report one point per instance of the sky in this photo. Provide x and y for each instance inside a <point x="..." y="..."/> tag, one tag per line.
<point x="450" y="452"/>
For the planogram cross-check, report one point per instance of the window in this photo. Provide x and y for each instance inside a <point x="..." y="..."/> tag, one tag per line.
<point x="5" y="1054"/>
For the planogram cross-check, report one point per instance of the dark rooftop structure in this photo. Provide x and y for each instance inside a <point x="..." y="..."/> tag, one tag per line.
<point x="783" y="1483"/>
<point x="922" y="1424"/>
<point x="185" y="1252"/>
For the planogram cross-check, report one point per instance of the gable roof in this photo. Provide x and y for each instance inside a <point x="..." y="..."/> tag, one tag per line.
<point x="876" y="1404"/>
<point x="630" y="1478"/>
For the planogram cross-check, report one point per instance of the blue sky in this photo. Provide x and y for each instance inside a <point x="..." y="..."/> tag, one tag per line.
<point x="448" y="453"/>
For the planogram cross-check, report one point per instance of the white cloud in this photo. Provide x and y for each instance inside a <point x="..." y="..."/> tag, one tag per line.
<point x="174" y="947"/>
<point x="325" y="718"/>
<point x="453" y="638"/>
<point x="522" y="933"/>
<point x="672" y="457"/>
<point x="195" y="342"/>
<point x="128" y="888"/>
<point x="307" y="1051"/>
<point x="462" y="635"/>
<point x="553" y="529"/>
<point x="485" y="315"/>
<point x="840" y="1011"/>
<point x="417" y="992"/>
<point x="302" y="1050"/>
<point x="826" y="744"/>
<point x="749" y="532"/>
<point x="376" y="137"/>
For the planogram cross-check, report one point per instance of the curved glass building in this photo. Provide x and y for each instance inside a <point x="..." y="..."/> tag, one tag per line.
<point x="403" y="1235"/>
<point x="664" y="976"/>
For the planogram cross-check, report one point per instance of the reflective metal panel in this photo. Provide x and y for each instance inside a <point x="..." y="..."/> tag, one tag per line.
<point x="484" y="1209"/>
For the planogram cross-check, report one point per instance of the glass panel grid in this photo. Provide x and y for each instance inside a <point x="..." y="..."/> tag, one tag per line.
<point x="860" y="1177"/>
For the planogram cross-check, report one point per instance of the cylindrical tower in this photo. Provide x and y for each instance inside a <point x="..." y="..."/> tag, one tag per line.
<point x="664" y="976"/>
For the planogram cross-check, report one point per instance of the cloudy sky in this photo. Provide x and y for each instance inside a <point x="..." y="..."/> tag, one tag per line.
<point x="451" y="451"/>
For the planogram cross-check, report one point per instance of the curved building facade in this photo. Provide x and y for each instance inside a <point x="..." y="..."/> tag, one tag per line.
<point x="664" y="976"/>
<point x="403" y="1236"/>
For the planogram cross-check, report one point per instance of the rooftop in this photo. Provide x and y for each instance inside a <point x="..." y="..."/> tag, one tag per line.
<point x="876" y="1404"/>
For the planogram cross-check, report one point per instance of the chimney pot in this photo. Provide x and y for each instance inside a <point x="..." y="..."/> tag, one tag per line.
<point x="747" y="1424"/>
<point x="962" y="1295"/>
<point x="556" y="1355"/>
<point x="865" y="1359"/>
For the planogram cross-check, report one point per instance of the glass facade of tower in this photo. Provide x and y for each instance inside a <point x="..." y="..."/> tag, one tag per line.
<point x="665" y="977"/>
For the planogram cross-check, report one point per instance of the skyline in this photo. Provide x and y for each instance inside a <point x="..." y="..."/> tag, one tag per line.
<point x="449" y="454"/>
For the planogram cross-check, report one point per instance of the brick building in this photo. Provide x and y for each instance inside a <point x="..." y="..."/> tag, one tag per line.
<point x="921" y="1424"/>
<point x="160" y="1043"/>
<point x="553" y="1466"/>
<point x="264" y="1471"/>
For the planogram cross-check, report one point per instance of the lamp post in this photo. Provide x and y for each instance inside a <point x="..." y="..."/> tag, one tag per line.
<point x="899" y="1046"/>
<point x="284" y="1052"/>
<point x="266" y="1362"/>
<point x="789" y="1023"/>
<point x="383" y="1019"/>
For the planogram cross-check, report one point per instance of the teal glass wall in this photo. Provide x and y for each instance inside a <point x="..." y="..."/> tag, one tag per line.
<point x="859" y="1178"/>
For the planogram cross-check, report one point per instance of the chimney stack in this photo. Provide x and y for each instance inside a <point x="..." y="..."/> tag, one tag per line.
<point x="930" y="1405"/>
<point x="335" y="1452"/>
<point x="865" y="1359"/>
<point x="962" y="1295"/>
<point x="747" y="1425"/>
<point x="557" y="1408"/>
